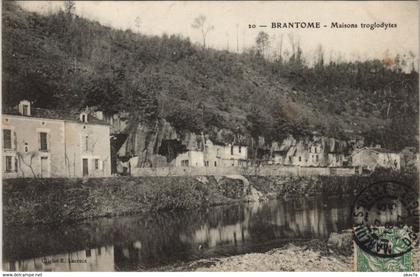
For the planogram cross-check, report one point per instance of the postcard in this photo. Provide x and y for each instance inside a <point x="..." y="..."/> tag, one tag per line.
<point x="226" y="136"/>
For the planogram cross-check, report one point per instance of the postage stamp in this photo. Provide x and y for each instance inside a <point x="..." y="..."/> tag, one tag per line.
<point x="385" y="227"/>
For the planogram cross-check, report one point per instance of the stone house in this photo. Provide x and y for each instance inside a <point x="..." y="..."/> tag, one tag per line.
<point x="305" y="154"/>
<point x="337" y="153"/>
<point x="213" y="155"/>
<point x="190" y="158"/>
<point x="318" y="152"/>
<point x="45" y="143"/>
<point x="337" y="160"/>
<point x="224" y="155"/>
<point x="297" y="155"/>
<point x="369" y="158"/>
<point x="409" y="157"/>
<point x="278" y="153"/>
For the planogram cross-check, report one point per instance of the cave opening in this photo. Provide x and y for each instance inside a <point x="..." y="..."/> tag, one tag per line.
<point x="171" y="148"/>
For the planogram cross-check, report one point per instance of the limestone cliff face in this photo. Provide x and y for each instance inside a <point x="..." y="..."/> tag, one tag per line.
<point x="329" y="145"/>
<point x="158" y="144"/>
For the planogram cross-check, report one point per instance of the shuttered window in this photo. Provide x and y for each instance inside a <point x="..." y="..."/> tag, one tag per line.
<point x="25" y="110"/>
<point x="43" y="138"/>
<point x="8" y="163"/>
<point x="7" y="139"/>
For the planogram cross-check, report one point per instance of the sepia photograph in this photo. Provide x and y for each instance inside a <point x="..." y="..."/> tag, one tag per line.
<point x="210" y="136"/>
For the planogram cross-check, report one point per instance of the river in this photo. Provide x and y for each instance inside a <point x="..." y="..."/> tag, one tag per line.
<point x="147" y="242"/>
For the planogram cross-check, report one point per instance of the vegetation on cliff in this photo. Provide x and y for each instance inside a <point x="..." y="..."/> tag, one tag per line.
<point x="62" y="61"/>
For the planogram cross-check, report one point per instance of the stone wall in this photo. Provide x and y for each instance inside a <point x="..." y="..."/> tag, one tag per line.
<point x="272" y="170"/>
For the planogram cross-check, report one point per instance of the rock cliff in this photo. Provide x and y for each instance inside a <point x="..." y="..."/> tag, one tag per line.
<point x="159" y="144"/>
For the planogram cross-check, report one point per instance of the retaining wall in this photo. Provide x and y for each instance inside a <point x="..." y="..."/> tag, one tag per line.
<point x="253" y="171"/>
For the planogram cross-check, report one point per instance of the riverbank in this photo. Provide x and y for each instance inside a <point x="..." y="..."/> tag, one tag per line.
<point x="313" y="255"/>
<point x="332" y="255"/>
<point x="42" y="201"/>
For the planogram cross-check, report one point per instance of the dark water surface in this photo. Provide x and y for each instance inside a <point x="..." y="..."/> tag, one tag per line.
<point x="145" y="242"/>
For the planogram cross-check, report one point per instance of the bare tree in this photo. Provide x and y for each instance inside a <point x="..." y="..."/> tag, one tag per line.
<point x="49" y="9"/>
<point x="227" y="41"/>
<point x="200" y="23"/>
<point x="137" y="23"/>
<point x="296" y="56"/>
<point x="237" y="38"/>
<point x="280" y="44"/>
<point x="292" y="42"/>
<point x="69" y="7"/>
<point x="29" y="165"/>
<point x="319" y="56"/>
<point x="263" y="41"/>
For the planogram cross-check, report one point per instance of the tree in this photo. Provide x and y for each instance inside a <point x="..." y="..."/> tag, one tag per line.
<point x="200" y="23"/>
<point x="319" y="57"/>
<point x="280" y="45"/>
<point x="69" y="7"/>
<point x="137" y="23"/>
<point x="141" y="97"/>
<point x="263" y="41"/>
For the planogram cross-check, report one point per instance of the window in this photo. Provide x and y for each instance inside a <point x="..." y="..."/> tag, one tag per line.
<point x="8" y="163"/>
<point x="25" y="109"/>
<point x="240" y="149"/>
<point x="315" y="149"/>
<point x="300" y="159"/>
<point x="206" y="163"/>
<point x="84" y="117"/>
<point x="96" y="164"/>
<point x="231" y="150"/>
<point x="7" y="139"/>
<point x="86" y="143"/>
<point x="16" y="164"/>
<point x="184" y="163"/>
<point x="215" y="164"/>
<point x="88" y="253"/>
<point x="316" y="158"/>
<point x="43" y="141"/>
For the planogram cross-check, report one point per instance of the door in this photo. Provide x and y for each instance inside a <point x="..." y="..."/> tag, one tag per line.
<point x="44" y="167"/>
<point x="85" y="167"/>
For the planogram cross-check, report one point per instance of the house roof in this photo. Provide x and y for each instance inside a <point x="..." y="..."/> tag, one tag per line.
<point x="56" y="114"/>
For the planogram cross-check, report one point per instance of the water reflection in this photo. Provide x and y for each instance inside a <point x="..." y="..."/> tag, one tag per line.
<point x="99" y="259"/>
<point x="141" y="243"/>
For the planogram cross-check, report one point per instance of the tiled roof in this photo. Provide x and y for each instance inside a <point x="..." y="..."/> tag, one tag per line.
<point x="56" y="114"/>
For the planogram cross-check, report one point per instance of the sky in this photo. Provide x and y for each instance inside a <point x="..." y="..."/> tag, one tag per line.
<point x="231" y="23"/>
